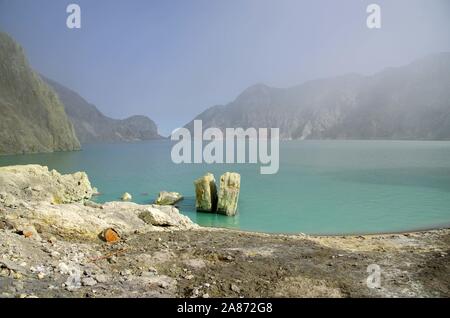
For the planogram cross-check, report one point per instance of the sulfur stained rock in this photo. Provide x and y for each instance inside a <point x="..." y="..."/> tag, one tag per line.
<point x="168" y="198"/>
<point x="29" y="231"/>
<point x="206" y="193"/>
<point x="33" y="183"/>
<point x="162" y="216"/>
<point x="230" y="184"/>
<point x="34" y="187"/>
<point x="126" y="197"/>
<point x="27" y="234"/>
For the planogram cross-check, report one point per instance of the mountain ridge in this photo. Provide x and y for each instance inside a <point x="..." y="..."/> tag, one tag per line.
<point x="405" y="102"/>
<point x="92" y="126"/>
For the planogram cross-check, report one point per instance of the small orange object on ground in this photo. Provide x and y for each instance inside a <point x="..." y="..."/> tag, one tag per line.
<point x="110" y="235"/>
<point x="27" y="234"/>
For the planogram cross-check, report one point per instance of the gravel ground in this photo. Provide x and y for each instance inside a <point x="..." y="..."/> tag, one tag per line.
<point x="224" y="263"/>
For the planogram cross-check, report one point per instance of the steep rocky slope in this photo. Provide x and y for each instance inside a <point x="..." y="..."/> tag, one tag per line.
<point x="92" y="126"/>
<point x="32" y="117"/>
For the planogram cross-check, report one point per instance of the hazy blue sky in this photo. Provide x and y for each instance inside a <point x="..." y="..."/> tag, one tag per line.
<point x="172" y="59"/>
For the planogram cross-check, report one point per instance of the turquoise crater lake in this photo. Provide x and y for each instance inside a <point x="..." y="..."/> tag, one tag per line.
<point x="322" y="187"/>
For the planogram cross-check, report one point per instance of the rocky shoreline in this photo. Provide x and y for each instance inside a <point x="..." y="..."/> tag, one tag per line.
<point x="51" y="245"/>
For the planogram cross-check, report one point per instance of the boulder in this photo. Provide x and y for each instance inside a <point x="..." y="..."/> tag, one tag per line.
<point x="75" y="220"/>
<point x="230" y="184"/>
<point x="37" y="183"/>
<point x="206" y="193"/>
<point x="165" y="215"/>
<point x="27" y="198"/>
<point x="126" y="197"/>
<point x="168" y="198"/>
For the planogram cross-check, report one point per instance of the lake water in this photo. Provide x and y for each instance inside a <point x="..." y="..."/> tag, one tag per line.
<point x="322" y="187"/>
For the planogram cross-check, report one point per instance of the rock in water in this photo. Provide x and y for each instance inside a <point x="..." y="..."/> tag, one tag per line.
<point x="230" y="184"/>
<point x="126" y="197"/>
<point x="168" y="198"/>
<point x="206" y="193"/>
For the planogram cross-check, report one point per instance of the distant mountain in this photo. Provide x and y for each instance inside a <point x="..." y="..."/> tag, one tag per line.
<point x="92" y="126"/>
<point x="408" y="102"/>
<point x="32" y="119"/>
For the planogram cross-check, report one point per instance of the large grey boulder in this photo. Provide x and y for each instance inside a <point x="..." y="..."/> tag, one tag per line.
<point x="230" y="184"/>
<point x="206" y="193"/>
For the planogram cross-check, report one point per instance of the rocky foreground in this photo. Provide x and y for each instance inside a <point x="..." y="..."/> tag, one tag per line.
<point x="53" y="244"/>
